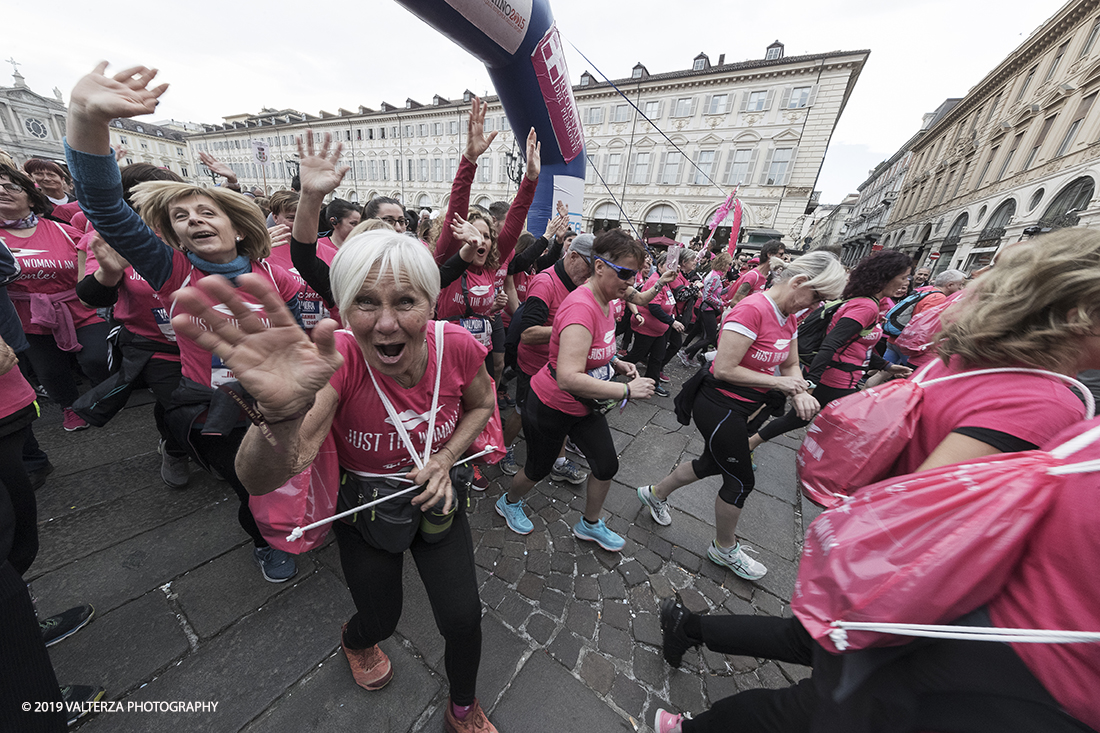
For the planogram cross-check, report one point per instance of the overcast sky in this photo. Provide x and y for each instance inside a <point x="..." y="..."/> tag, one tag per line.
<point x="224" y="58"/>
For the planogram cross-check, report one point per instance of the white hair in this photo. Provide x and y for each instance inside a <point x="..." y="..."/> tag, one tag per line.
<point x="822" y="270"/>
<point x="947" y="277"/>
<point x="377" y="254"/>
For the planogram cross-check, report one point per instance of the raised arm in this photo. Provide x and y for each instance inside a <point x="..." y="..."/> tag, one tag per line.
<point x="95" y="101"/>
<point x="477" y="143"/>
<point x="516" y="219"/>
<point x="319" y="175"/>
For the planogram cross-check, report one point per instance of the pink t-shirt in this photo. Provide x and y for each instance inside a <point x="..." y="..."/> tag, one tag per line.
<point x="310" y="302"/>
<point x="753" y="279"/>
<point x="1053" y="587"/>
<point x="48" y="261"/>
<point x="15" y="393"/>
<point x="580" y="307"/>
<point x="868" y="313"/>
<point x="652" y="326"/>
<point x="547" y="287"/>
<point x="481" y="291"/>
<point x="201" y="365"/>
<point x="758" y="318"/>
<point x="140" y="309"/>
<point x="365" y="437"/>
<point x="1031" y="407"/>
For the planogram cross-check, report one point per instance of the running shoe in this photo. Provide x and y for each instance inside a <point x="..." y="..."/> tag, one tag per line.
<point x="568" y="472"/>
<point x="275" y="565"/>
<point x="658" y="508"/>
<point x="665" y="378"/>
<point x="514" y="515"/>
<point x="480" y="482"/>
<point x="660" y="391"/>
<point x="674" y="640"/>
<point x="666" y="722"/>
<point x="38" y="476"/>
<point x="65" y="624"/>
<point x="77" y="699"/>
<point x="752" y="457"/>
<point x="736" y="560"/>
<point x="474" y="722"/>
<point x="71" y="421"/>
<point x="686" y="360"/>
<point x="598" y="533"/>
<point x="370" y="668"/>
<point x="508" y="464"/>
<point x="174" y="471"/>
<point x="504" y="401"/>
<point x="571" y="447"/>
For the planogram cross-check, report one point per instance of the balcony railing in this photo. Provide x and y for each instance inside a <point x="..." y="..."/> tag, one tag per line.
<point x="953" y="241"/>
<point x="1068" y="219"/>
<point x="990" y="234"/>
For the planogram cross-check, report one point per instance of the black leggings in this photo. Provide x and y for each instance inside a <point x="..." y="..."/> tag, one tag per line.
<point x="13" y="476"/>
<point x="447" y="571"/>
<point x="710" y="333"/>
<point x="163" y="377"/>
<point x="650" y="348"/>
<point x="545" y="429"/>
<point x="673" y="343"/>
<point x="26" y="674"/>
<point x="52" y="365"/>
<point x="722" y="422"/>
<point x="928" y="685"/>
<point x="822" y="393"/>
<point x="220" y="453"/>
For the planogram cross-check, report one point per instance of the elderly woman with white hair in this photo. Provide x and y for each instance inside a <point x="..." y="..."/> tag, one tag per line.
<point x="429" y="377"/>
<point x="758" y="334"/>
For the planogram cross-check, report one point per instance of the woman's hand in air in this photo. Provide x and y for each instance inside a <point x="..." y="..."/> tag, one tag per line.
<point x="318" y="171"/>
<point x="126" y="94"/>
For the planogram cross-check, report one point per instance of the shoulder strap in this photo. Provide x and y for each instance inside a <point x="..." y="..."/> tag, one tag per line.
<point x="62" y="230"/>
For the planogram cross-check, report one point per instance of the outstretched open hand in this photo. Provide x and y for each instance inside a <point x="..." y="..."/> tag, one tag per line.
<point x="318" y="171"/>
<point x="126" y="94"/>
<point x="534" y="156"/>
<point x="217" y="166"/>
<point x="476" y="140"/>
<point x="275" y="361"/>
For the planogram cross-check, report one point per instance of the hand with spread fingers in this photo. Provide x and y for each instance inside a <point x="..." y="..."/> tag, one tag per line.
<point x="269" y="353"/>
<point x="126" y="94"/>
<point x="318" y="171"/>
<point x="216" y="166"/>
<point x="476" y="140"/>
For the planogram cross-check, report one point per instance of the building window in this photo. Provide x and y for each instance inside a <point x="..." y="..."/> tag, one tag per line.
<point x="683" y="107"/>
<point x="1079" y="117"/>
<point x="488" y="126"/>
<point x="739" y="167"/>
<point x="985" y="168"/>
<point x="699" y="65"/>
<point x="661" y="222"/>
<point x="1091" y="40"/>
<point x="995" y="227"/>
<point x="670" y="171"/>
<point x="652" y="110"/>
<point x="453" y="127"/>
<point x="485" y="169"/>
<point x="437" y="128"/>
<point x="122" y="140"/>
<point x="800" y="97"/>
<point x="590" y="168"/>
<point x="614" y="169"/>
<point x="1039" y="142"/>
<point x="437" y="169"/>
<point x="179" y="151"/>
<point x="706" y="167"/>
<point x="719" y="104"/>
<point x="411" y="170"/>
<point x="372" y="170"/>
<point x="639" y="170"/>
<point x="622" y="113"/>
<point x="756" y="102"/>
<point x="423" y="166"/>
<point x="779" y="168"/>
<point x="504" y="124"/>
<point x="593" y="115"/>
<point x="385" y="172"/>
<point x="422" y="129"/>
<point x="773" y="53"/>
<point x="1055" y="63"/>
<point x="1027" y="83"/>
<point x="635" y="74"/>
<point x="958" y="183"/>
<point x="1036" y="198"/>
<point x="452" y="168"/>
<point x="1066" y="207"/>
<point x="605" y="217"/>
<point x="1008" y="158"/>
<point x="183" y="171"/>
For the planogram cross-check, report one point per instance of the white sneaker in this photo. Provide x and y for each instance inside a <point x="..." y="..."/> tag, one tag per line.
<point x="658" y="509"/>
<point x="736" y="560"/>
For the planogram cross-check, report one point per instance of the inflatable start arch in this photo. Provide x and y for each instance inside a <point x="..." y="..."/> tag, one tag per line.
<point x="519" y="44"/>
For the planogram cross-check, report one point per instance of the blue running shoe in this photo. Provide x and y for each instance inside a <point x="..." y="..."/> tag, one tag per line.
<point x="598" y="533"/>
<point x="514" y="515"/>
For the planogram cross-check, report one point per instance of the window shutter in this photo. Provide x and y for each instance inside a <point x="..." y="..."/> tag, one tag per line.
<point x="767" y="166"/>
<point x="631" y="167"/>
<point x="769" y="100"/>
<point x="694" y="101"/>
<point x="786" y="98"/>
<point x="695" y="176"/>
<point x="706" y="105"/>
<point x="752" y="165"/>
<point x="661" y="169"/>
<point x="790" y="166"/>
<point x="813" y="96"/>
<point x="729" y="169"/>
<point x="714" y="168"/>
<point x="587" y="114"/>
<point x="745" y="101"/>
<point x="731" y="101"/>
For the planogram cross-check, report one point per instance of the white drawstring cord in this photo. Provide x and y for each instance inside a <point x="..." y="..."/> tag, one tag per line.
<point x="839" y="634"/>
<point x="297" y="532"/>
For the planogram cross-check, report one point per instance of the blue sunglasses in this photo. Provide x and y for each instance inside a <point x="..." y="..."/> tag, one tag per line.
<point x="624" y="273"/>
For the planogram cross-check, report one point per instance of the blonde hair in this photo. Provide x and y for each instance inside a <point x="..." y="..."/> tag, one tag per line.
<point x="722" y="263"/>
<point x="1033" y="308"/>
<point x="822" y="270"/>
<point x="154" y="199"/>
<point x="372" y="256"/>
<point x="369" y="225"/>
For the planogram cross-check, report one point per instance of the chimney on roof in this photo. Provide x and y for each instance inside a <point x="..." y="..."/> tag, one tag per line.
<point x="721" y="59"/>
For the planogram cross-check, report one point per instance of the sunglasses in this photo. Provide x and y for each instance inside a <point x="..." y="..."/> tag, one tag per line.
<point x="624" y="273"/>
<point x="13" y="187"/>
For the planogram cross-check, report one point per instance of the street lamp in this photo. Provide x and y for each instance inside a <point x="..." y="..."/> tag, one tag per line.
<point x="513" y="167"/>
<point x="293" y="166"/>
<point x="212" y="174"/>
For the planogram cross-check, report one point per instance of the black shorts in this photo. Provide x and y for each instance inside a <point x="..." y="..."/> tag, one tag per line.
<point x="523" y="386"/>
<point x="498" y="334"/>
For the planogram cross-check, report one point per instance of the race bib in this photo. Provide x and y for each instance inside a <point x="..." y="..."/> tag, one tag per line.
<point x="164" y="323"/>
<point x="480" y="329"/>
<point x="312" y="311"/>
<point x="603" y="373"/>
<point x="219" y="373"/>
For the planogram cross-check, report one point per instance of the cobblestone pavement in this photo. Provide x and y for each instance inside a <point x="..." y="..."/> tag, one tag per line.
<point x="571" y="638"/>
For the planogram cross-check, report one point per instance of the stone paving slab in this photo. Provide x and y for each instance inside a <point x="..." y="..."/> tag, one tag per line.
<point x="571" y="638"/>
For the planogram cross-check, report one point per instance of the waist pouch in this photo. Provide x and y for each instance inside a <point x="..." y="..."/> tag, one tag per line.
<point x="393" y="525"/>
<point x="603" y="373"/>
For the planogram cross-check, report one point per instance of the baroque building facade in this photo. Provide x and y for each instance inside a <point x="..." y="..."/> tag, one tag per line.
<point x="664" y="150"/>
<point x="31" y="125"/>
<point x="159" y="145"/>
<point x="1018" y="155"/>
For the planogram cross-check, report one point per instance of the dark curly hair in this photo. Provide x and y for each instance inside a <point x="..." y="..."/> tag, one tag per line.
<point x="873" y="272"/>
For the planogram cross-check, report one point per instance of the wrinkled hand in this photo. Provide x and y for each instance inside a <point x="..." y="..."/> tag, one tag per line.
<point x="534" y="156"/>
<point x="500" y="302"/>
<point x="639" y="318"/>
<point x="556" y="226"/>
<point x="464" y="231"/>
<point x="435" y="477"/>
<point x="641" y="388"/>
<point x="110" y="261"/>
<point x="317" y="171"/>
<point x="279" y="234"/>
<point x="667" y="276"/>
<point x="276" y="363"/>
<point x="476" y="141"/>
<point x="898" y="370"/>
<point x="8" y="358"/>
<point x="791" y="386"/>
<point x="805" y="406"/>
<point x="678" y="326"/>
<point x="216" y="166"/>
<point x="625" y="368"/>
<point x="126" y="94"/>
<point x="120" y="153"/>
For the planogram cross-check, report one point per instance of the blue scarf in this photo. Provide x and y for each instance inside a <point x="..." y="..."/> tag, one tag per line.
<point x="232" y="270"/>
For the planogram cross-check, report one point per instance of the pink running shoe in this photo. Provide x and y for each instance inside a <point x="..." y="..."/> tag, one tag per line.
<point x="666" y="722"/>
<point x="72" y="422"/>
